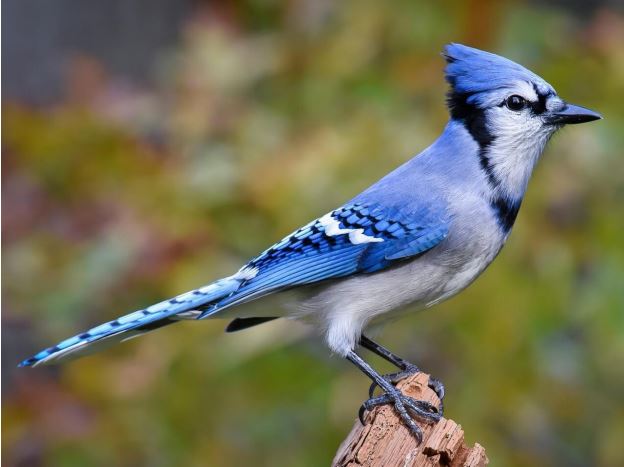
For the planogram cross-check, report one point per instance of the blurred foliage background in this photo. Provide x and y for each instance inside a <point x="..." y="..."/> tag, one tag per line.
<point x="152" y="146"/>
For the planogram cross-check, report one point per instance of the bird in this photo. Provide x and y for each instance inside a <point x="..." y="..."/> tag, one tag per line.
<point x="418" y="236"/>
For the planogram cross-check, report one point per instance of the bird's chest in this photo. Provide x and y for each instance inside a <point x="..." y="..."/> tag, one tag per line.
<point x="471" y="246"/>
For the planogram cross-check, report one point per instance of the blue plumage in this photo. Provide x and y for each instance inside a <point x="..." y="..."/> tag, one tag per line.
<point x="313" y="254"/>
<point x="419" y="235"/>
<point x="386" y="225"/>
<point x="478" y="73"/>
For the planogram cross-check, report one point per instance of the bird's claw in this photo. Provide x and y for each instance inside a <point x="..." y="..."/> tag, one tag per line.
<point x="404" y="405"/>
<point x="411" y="369"/>
<point x="438" y="387"/>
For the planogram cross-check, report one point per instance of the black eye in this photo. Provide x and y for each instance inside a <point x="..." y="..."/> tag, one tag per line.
<point x="515" y="102"/>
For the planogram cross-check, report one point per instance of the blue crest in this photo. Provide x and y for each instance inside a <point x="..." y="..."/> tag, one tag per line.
<point x="473" y="72"/>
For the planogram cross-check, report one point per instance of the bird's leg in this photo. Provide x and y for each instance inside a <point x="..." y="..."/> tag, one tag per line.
<point x="405" y="406"/>
<point x="407" y="369"/>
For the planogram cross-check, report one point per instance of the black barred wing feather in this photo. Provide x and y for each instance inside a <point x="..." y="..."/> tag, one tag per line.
<point x="354" y="239"/>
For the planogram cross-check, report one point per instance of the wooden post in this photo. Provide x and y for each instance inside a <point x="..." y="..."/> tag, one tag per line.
<point x="384" y="440"/>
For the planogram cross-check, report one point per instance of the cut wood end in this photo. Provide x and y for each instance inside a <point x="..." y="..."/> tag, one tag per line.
<point x="385" y="441"/>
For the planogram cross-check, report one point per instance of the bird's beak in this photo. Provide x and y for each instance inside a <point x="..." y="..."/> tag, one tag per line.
<point x="572" y="114"/>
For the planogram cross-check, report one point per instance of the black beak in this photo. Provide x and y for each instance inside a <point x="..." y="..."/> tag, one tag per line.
<point x="572" y="114"/>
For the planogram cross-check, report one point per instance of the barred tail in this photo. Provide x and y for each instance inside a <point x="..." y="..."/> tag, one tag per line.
<point x="185" y="306"/>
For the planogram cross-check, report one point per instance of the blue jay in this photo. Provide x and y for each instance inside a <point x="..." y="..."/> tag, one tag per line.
<point x="418" y="236"/>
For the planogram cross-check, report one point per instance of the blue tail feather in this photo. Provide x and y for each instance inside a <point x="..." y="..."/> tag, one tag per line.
<point x="183" y="306"/>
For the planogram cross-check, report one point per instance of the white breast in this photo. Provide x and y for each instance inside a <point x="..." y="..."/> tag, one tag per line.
<point x="342" y="309"/>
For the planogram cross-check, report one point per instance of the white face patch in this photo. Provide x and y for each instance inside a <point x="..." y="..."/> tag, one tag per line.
<point x="356" y="236"/>
<point x="494" y="97"/>
<point x="554" y="103"/>
<point x="520" y="138"/>
<point x="525" y="90"/>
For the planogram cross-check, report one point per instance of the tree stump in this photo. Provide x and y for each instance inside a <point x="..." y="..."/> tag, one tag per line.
<point x="385" y="441"/>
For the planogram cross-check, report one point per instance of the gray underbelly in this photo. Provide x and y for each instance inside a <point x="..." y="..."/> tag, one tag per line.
<point x="417" y="284"/>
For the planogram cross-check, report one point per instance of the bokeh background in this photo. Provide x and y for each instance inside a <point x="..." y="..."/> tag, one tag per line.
<point x="152" y="146"/>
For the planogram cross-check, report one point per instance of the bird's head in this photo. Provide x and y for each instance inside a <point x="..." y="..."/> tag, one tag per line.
<point x="509" y="111"/>
<point x="504" y="96"/>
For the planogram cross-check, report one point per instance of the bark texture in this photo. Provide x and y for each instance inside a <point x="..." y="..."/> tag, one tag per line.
<point x="384" y="440"/>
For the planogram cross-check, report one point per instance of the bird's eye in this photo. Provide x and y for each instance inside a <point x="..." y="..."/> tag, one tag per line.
<point x="515" y="102"/>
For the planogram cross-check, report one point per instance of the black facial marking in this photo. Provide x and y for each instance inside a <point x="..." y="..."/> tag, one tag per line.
<point x="473" y="119"/>
<point x="536" y="108"/>
<point x="539" y="107"/>
<point x="506" y="211"/>
<point x="471" y="116"/>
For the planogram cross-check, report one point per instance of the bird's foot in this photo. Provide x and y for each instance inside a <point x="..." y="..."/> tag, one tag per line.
<point x="409" y="370"/>
<point x="405" y="407"/>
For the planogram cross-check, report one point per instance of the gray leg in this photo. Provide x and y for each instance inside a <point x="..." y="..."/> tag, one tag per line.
<point x="404" y="405"/>
<point x="407" y="369"/>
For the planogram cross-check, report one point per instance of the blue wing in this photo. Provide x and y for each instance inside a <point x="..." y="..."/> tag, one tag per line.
<point x="357" y="238"/>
